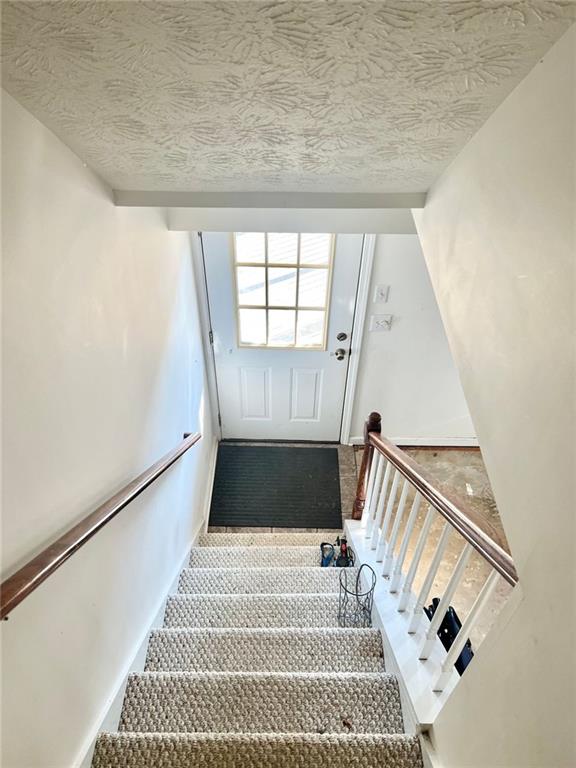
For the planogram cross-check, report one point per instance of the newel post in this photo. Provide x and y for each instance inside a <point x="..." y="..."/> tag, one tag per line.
<point x="372" y="425"/>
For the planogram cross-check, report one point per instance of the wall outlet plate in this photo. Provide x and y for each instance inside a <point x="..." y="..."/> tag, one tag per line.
<point x="381" y="294"/>
<point x="381" y="322"/>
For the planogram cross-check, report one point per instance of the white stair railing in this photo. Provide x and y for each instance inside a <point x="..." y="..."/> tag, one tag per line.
<point x="429" y="579"/>
<point x="415" y="564"/>
<point x="467" y="626"/>
<point x="399" y="564"/>
<point x="382" y="522"/>
<point x="386" y="521"/>
<point x="373" y="491"/>
<point x="380" y="507"/>
<point x="389" y="547"/>
<point x="444" y="603"/>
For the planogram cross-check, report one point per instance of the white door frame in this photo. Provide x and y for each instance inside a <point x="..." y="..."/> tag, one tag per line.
<point x="362" y="297"/>
<point x="206" y="328"/>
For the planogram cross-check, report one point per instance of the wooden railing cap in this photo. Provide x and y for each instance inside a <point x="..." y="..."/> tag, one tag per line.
<point x="29" y="577"/>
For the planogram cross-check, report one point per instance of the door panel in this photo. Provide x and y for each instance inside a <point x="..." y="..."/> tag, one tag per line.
<point x="306" y="391"/>
<point x="255" y="393"/>
<point x="275" y="393"/>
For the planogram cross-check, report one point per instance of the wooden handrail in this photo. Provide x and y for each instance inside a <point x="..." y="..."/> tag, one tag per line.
<point x="28" y="578"/>
<point x="479" y="533"/>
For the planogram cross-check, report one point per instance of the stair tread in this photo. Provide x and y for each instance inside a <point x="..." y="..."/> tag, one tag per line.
<point x="258" y="750"/>
<point x="260" y="580"/>
<point x="262" y="702"/>
<point x="269" y="556"/>
<point x="265" y="650"/>
<point x="288" y="539"/>
<point x="281" y="610"/>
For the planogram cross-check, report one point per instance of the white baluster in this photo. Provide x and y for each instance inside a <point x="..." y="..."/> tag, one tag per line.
<point x="389" y="559"/>
<point x="444" y="603"/>
<point x="397" y="573"/>
<point x="375" y="495"/>
<point x="426" y="586"/>
<point x="465" y="630"/>
<point x="387" y="516"/>
<point x="380" y="507"/>
<point x="370" y="486"/>
<point x="420" y="544"/>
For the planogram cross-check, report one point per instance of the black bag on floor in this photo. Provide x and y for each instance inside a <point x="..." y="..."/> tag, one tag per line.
<point x="447" y="632"/>
<point x="329" y="558"/>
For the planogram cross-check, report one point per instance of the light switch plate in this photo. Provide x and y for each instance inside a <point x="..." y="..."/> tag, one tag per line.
<point x="381" y="294"/>
<point x="381" y="322"/>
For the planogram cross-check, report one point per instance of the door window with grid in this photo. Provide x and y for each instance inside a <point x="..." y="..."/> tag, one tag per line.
<point x="282" y="288"/>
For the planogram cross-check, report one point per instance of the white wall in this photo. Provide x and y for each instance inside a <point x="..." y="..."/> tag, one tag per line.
<point x="499" y="239"/>
<point x="103" y="372"/>
<point x="407" y="374"/>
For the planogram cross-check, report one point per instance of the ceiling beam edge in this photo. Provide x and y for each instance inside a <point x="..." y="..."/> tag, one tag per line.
<point x="278" y="200"/>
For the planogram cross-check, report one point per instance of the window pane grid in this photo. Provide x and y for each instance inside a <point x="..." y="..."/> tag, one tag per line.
<point x="291" y="310"/>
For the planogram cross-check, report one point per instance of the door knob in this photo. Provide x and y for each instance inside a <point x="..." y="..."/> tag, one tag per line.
<point x="340" y="354"/>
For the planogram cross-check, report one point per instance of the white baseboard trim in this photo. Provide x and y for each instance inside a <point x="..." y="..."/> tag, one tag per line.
<point x="210" y="484"/>
<point x="110" y="714"/>
<point x="433" y="442"/>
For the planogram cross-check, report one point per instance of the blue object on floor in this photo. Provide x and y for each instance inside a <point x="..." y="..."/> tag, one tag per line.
<point x="327" y="552"/>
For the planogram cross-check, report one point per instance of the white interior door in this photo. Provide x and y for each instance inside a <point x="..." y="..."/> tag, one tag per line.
<point x="278" y="303"/>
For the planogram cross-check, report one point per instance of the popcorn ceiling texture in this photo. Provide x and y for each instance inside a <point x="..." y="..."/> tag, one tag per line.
<point x="283" y="96"/>
<point x="265" y="680"/>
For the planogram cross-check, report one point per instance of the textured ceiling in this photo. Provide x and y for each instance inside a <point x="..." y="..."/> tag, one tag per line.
<point x="283" y="96"/>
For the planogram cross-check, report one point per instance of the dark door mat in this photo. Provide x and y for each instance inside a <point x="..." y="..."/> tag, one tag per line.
<point x="281" y="487"/>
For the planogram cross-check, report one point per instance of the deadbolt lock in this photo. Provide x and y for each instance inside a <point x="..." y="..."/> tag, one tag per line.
<point x="342" y="336"/>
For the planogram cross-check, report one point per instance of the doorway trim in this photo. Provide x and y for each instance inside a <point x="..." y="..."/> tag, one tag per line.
<point x="197" y="249"/>
<point x="358" y="322"/>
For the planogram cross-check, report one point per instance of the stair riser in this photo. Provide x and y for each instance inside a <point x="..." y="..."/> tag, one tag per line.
<point x="250" y="557"/>
<point x="260" y="580"/>
<point x="181" y="703"/>
<point x="269" y="651"/>
<point x="252" y="611"/>
<point x="267" y="539"/>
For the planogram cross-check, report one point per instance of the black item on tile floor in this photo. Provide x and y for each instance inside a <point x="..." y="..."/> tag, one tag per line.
<point x="328" y="557"/>
<point x="276" y="486"/>
<point x="447" y="632"/>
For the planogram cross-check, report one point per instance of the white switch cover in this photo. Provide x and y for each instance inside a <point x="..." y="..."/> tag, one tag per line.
<point x="381" y="293"/>
<point x="381" y="322"/>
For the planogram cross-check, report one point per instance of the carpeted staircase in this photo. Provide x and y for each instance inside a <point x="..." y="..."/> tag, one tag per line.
<point x="252" y="671"/>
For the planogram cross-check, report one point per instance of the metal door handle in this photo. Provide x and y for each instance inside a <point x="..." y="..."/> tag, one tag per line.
<point x="340" y="354"/>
